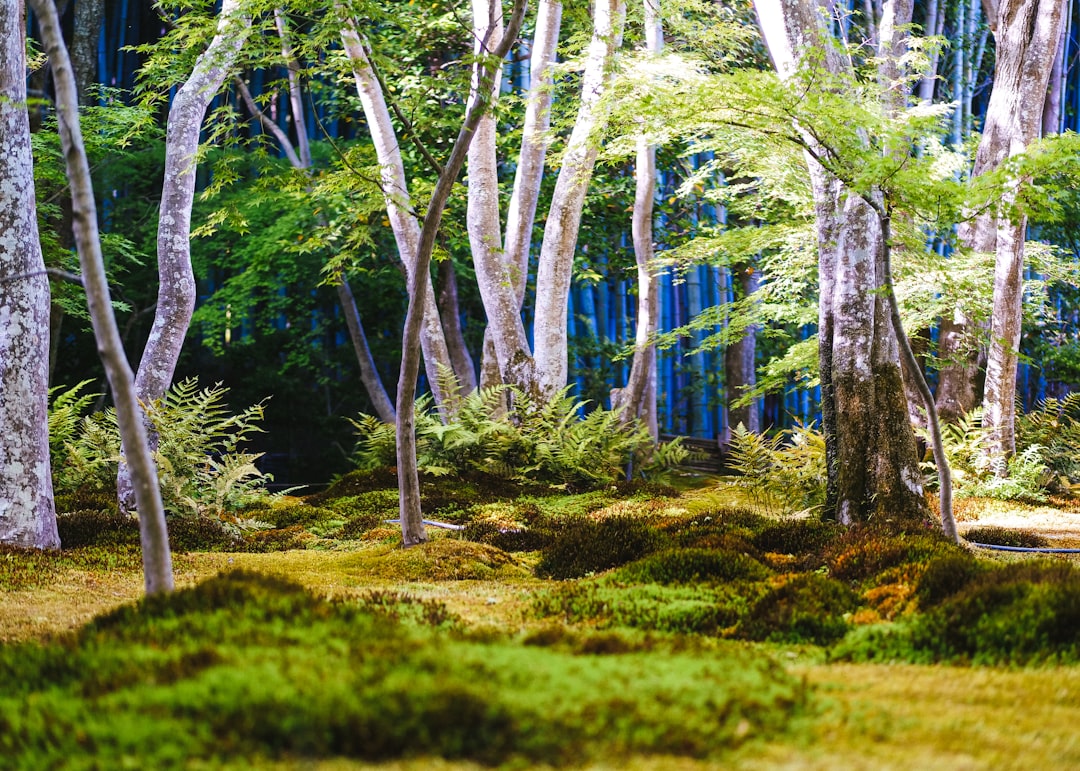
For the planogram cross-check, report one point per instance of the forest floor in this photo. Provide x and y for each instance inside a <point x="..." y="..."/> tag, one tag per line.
<point x="861" y="715"/>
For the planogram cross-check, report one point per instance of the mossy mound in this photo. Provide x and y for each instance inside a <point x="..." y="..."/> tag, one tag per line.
<point x="248" y="667"/>
<point x="807" y="608"/>
<point x="690" y="566"/>
<point x="1020" y="613"/>
<point x="805" y="538"/>
<point x="96" y="527"/>
<point x="1006" y="536"/>
<point x="867" y="552"/>
<point x="34" y="568"/>
<point x="442" y="559"/>
<point x="583" y="545"/>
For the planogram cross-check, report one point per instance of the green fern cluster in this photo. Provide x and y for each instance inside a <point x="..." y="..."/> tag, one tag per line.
<point x="505" y="433"/>
<point x="973" y="471"/>
<point x="785" y="471"/>
<point x="201" y="467"/>
<point x="1054" y="425"/>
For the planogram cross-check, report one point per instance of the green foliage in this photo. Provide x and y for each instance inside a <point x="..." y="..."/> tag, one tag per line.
<point x="1054" y="426"/>
<point x="533" y="442"/>
<point x="800" y="537"/>
<point x="201" y="468"/>
<point x="692" y="566"/>
<point x="786" y="471"/>
<point x="67" y="406"/>
<point x="975" y="472"/>
<point x="583" y="545"/>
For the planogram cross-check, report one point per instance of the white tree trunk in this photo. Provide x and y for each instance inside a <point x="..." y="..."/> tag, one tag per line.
<point x="398" y="204"/>
<point x="634" y="398"/>
<point x="157" y="559"/>
<point x="496" y="275"/>
<point x="176" y="279"/>
<point x="564" y="217"/>
<point x="27" y="513"/>
<point x="1027" y="34"/>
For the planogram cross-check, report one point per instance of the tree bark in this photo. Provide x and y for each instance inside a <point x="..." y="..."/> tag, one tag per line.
<point x="412" y="523"/>
<point x="27" y="511"/>
<point x="870" y="446"/>
<point x="634" y="398"/>
<point x="89" y="15"/>
<point x="399" y="209"/>
<point x="1028" y="32"/>
<point x="464" y="367"/>
<point x="176" y="280"/>
<point x="740" y="372"/>
<point x="157" y="559"/>
<point x="564" y="217"/>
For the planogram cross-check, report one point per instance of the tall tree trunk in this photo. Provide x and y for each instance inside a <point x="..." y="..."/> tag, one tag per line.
<point x="634" y="398"/>
<point x="157" y="559"/>
<point x="412" y="523"/>
<point x="871" y="455"/>
<point x="1051" y="118"/>
<point x="1027" y="33"/>
<point x="564" y="217"/>
<point x="176" y="280"/>
<point x="89" y="15"/>
<point x="496" y="276"/>
<point x="399" y="209"/>
<point x="933" y="26"/>
<point x="464" y="367"/>
<point x="27" y="512"/>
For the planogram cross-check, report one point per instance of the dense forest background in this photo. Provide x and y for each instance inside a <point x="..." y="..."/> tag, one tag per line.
<point x="269" y="322"/>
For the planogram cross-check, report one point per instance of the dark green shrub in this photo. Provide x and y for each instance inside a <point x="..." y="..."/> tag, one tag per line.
<point x="508" y="539"/>
<point x="96" y="527"/>
<point x="800" y="537"/>
<point x="687" y="566"/>
<point x="87" y="497"/>
<point x="582" y="546"/>
<point x="1006" y="536"/>
<point x="357" y="483"/>
<point x="809" y="608"/>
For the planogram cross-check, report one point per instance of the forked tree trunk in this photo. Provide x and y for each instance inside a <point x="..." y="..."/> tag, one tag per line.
<point x="157" y="559"/>
<point x="27" y="512"/>
<point x="564" y="217"/>
<point x="399" y="209"/>
<point x="496" y="275"/>
<point x="176" y="279"/>
<point x="637" y="400"/>
<point x="412" y="523"/>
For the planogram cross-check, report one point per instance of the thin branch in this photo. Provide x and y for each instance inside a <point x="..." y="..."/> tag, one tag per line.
<point x="269" y="125"/>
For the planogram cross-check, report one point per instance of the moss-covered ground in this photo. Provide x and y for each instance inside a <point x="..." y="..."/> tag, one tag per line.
<point x="637" y="627"/>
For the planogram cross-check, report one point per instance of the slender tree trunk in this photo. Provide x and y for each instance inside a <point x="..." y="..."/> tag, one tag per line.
<point x="464" y="367"/>
<point x="412" y="523"/>
<point x="157" y="559"/>
<point x="1027" y="32"/>
<point x="633" y="398"/>
<point x="1051" y="118"/>
<point x="27" y="513"/>
<point x="933" y="25"/>
<point x="399" y="209"/>
<point x="176" y="280"/>
<point x="740" y="372"/>
<point x="369" y="375"/>
<point x="564" y="217"/>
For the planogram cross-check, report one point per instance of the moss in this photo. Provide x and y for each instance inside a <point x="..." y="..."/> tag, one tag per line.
<point x="295" y="537"/>
<point x="808" y="608"/>
<point x="687" y="566"/>
<point x="356" y="483"/>
<point x="96" y="527"/>
<point x="442" y="559"/>
<point x="188" y="534"/>
<point x="865" y="552"/>
<point x="87" y="497"/>
<point x="251" y="667"/>
<point x="582" y="546"/>
<point x="1006" y="536"/>
<point x="800" y="537"/>
<point x="22" y="569"/>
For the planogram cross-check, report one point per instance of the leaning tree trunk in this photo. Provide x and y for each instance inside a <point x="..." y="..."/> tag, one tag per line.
<point x="636" y="399"/>
<point x="176" y="279"/>
<point x="870" y="446"/>
<point x="412" y="523"/>
<point x="564" y="216"/>
<point x="1027" y="33"/>
<point x="399" y="209"/>
<point x="157" y="559"/>
<point x="27" y="512"/>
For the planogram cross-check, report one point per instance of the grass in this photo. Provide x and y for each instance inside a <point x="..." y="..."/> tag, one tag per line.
<point x="633" y="647"/>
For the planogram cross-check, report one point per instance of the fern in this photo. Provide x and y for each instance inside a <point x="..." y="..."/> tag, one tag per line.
<point x="782" y="472"/>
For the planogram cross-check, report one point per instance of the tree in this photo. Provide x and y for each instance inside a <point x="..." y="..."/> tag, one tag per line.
<point x="412" y="526"/>
<point x="27" y="512"/>
<point x="157" y="559"/>
<point x="176" y="280"/>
